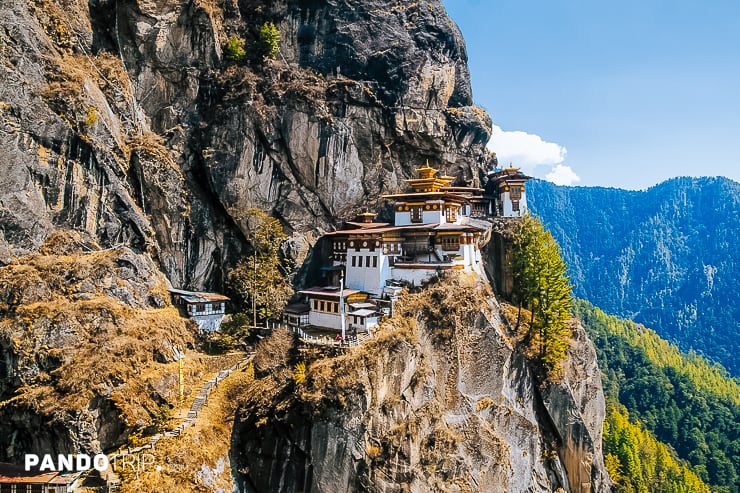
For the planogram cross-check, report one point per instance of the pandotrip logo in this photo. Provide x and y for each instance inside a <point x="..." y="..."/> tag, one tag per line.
<point x="66" y="463"/>
<point x="136" y="463"/>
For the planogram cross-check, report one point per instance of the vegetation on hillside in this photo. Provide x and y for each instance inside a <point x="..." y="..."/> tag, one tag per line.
<point x="541" y="285"/>
<point x="664" y="257"/>
<point x="638" y="463"/>
<point x="260" y="280"/>
<point x="269" y="40"/>
<point x="683" y="400"/>
<point x="198" y="459"/>
<point x="83" y="326"/>
<point x="234" y="49"/>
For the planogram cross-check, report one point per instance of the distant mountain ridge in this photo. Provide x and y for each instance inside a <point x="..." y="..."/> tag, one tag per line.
<point x="665" y="257"/>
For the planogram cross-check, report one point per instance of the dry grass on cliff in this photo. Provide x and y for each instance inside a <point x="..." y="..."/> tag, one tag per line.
<point x="451" y="303"/>
<point x="67" y="94"/>
<point x="272" y="354"/>
<point x="198" y="460"/>
<point x="113" y="352"/>
<point x="329" y="381"/>
<point x="62" y="20"/>
<point x="80" y="324"/>
<point x="517" y="324"/>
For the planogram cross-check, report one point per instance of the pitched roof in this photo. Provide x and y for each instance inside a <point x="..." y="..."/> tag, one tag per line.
<point x="297" y="308"/>
<point x="367" y="225"/>
<point x="362" y="313"/>
<point x="15" y="473"/>
<point x="331" y="291"/>
<point x="456" y="227"/>
<point x="199" y="297"/>
<point x="431" y="195"/>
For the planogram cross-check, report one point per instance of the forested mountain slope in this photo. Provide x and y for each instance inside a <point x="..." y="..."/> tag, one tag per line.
<point x="666" y="257"/>
<point x="683" y="400"/>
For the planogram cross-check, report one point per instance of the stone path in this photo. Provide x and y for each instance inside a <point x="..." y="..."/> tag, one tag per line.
<point x="200" y="402"/>
<point x="202" y="399"/>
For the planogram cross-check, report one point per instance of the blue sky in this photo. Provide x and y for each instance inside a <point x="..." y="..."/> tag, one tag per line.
<point x="623" y="94"/>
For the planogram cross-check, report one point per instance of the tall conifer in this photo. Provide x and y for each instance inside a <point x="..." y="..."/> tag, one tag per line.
<point x="541" y="284"/>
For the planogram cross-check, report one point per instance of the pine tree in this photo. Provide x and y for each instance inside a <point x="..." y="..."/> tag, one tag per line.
<point x="260" y="280"/>
<point x="541" y="284"/>
<point x="234" y="49"/>
<point x="269" y="40"/>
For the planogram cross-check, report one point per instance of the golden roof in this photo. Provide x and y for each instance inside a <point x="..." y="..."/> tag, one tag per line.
<point x="426" y="171"/>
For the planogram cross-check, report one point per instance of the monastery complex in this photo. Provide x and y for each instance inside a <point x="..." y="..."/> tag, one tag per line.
<point x="437" y="228"/>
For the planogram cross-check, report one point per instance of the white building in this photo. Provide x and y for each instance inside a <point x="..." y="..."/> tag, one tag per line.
<point x="205" y="309"/>
<point x="325" y="310"/>
<point x="509" y="189"/>
<point x="435" y="231"/>
<point x="431" y="234"/>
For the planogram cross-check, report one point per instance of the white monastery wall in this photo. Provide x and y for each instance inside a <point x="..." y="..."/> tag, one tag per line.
<point x="208" y="323"/>
<point x="323" y="319"/>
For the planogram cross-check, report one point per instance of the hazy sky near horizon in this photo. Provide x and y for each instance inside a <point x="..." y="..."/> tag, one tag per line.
<point x="623" y="94"/>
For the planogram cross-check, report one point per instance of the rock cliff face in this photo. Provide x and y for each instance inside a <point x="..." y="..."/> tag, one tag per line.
<point x="123" y="118"/>
<point x="447" y="405"/>
<point x="84" y="341"/>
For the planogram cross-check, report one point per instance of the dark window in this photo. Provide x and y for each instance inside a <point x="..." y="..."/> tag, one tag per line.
<point x="354" y="261"/>
<point x="315" y="304"/>
<point x="515" y="205"/>
<point x="367" y="264"/>
<point x="200" y="307"/>
<point x="375" y="261"/>
<point x="4" y="488"/>
<point x="451" y="243"/>
<point x="323" y="306"/>
<point x="416" y="214"/>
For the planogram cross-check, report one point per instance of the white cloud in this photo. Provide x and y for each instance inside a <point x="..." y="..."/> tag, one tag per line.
<point x="533" y="154"/>
<point x="562" y="175"/>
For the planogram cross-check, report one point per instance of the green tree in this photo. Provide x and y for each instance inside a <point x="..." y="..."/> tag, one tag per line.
<point x="260" y="280"/>
<point x="234" y="49"/>
<point x="638" y="463"/>
<point x="269" y="40"/>
<point x="234" y="332"/>
<point x="542" y="285"/>
<point x="685" y="401"/>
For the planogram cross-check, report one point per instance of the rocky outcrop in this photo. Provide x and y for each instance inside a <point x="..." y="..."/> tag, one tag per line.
<point x="125" y="119"/>
<point x="428" y="408"/>
<point x="85" y="335"/>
